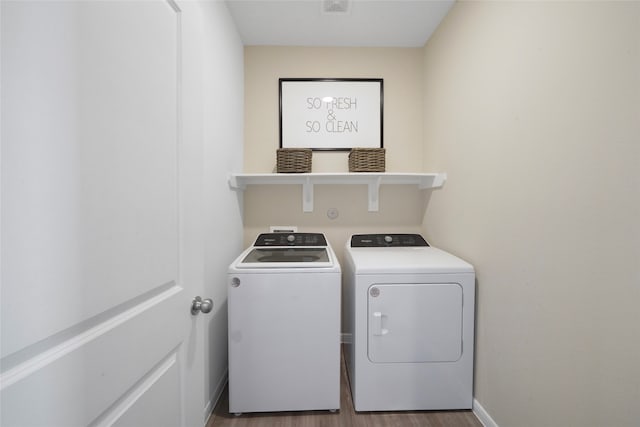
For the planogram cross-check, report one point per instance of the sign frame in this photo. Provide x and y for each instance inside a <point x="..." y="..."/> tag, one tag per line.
<point x="331" y="114"/>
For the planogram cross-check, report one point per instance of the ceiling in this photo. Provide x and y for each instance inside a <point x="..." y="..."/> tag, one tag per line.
<point x="354" y="23"/>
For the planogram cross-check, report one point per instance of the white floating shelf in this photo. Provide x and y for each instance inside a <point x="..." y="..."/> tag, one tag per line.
<point x="308" y="180"/>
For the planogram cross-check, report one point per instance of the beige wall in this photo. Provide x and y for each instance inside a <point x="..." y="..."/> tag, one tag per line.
<point x="402" y="207"/>
<point x="533" y="110"/>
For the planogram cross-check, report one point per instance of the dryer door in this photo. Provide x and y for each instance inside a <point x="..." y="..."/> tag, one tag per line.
<point x="413" y="323"/>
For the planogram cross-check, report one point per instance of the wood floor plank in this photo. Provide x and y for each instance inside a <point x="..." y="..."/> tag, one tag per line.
<point x="346" y="417"/>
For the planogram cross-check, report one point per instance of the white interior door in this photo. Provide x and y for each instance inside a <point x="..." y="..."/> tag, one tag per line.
<point x="95" y="312"/>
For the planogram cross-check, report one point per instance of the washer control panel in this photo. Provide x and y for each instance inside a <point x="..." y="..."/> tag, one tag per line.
<point x="291" y="239"/>
<point x="387" y="240"/>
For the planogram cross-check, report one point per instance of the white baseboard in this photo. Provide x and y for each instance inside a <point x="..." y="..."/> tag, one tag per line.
<point x="213" y="400"/>
<point x="483" y="415"/>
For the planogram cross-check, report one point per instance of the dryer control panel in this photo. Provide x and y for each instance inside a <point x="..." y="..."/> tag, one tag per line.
<point x="387" y="240"/>
<point x="291" y="239"/>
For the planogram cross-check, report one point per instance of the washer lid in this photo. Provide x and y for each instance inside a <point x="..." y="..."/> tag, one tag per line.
<point x="287" y="257"/>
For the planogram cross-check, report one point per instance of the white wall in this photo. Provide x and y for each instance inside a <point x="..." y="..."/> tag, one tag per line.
<point x="223" y="68"/>
<point x="213" y="116"/>
<point x="533" y="110"/>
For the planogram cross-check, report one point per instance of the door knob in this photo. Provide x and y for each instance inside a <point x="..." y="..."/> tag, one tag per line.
<point x="199" y="304"/>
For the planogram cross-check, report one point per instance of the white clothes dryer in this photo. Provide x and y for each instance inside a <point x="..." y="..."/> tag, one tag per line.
<point x="284" y="325"/>
<point x="408" y="309"/>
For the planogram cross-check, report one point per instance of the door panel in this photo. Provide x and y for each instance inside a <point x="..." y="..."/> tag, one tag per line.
<point x="148" y="405"/>
<point x="84" y="372"/>
<point x="93" y="308"/>
<point x="88" y="159"/>
<point x="414" y="323"/>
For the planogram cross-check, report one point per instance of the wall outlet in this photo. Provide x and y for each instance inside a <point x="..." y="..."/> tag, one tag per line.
<point x="332" y="213"/>
<point x="283" y="229"/>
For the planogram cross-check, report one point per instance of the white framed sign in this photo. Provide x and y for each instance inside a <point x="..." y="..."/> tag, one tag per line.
<point x="331" y="114"/>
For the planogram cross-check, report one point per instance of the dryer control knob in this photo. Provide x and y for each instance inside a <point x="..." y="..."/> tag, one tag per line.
<point x="291" y="238"/>
<point x="388" y="239"/>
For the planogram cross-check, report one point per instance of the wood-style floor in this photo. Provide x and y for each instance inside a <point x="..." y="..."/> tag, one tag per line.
<point x="346" y="417"/>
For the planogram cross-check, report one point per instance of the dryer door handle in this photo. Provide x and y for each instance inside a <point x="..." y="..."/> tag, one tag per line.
<point x="378" y="328"/>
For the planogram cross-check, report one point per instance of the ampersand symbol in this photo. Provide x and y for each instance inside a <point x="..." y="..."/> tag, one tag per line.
<point x="331" y="116"/>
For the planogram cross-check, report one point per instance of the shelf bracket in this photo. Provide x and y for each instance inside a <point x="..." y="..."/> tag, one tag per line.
<point x="436" y="181"/>
<point x="307" y="195"/>
<point x="374" y="194"/>
<point x="235" y="184"/>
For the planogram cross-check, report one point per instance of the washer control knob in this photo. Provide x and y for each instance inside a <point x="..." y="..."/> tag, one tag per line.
<point x="388" y="239"/>
<point x="291" y="238"/>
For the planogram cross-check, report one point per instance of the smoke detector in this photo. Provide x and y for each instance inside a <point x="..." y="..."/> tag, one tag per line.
<point x="335" y="7"/>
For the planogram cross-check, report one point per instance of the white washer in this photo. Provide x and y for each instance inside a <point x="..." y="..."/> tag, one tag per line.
<point x="284" y="325"/>
<point x="409" y="312"/>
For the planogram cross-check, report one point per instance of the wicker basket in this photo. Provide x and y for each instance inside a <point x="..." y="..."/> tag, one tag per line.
<point x="366" y="160"/>
<point x="292" y="160"/>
